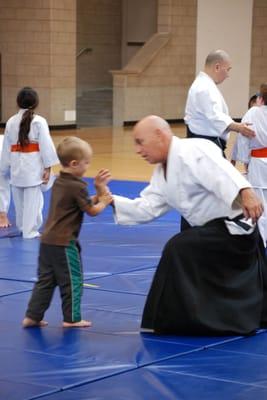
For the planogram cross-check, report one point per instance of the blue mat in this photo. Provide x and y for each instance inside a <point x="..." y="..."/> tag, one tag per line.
<point x="112" y="360"/>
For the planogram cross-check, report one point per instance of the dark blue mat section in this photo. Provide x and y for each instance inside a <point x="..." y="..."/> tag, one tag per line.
<point x="112" y="359"/>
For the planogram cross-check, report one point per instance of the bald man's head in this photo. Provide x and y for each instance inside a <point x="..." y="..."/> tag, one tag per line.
<point x="152" y="136"/>
<point x="218" y="65"/>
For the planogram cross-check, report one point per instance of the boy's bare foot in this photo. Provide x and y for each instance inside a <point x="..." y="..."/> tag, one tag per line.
<point x="4" y="221"/>
<point x="80" y="324"/>
<point x="30" y="323"/>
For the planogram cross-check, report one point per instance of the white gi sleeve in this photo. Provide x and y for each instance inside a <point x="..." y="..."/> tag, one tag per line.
<point x="218" y="175"/>
<point x="46" y="145"/>
<point x="243" y="149"/>
<point x="4" y="185"/>
<point x="150" y="205"/>
<point x="209" y="104"/>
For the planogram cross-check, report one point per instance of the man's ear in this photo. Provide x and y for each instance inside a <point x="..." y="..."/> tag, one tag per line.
<point x="159" y="133"/>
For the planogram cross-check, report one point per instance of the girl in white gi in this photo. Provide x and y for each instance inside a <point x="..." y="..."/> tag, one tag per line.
<point x="4" y="194"/>
<point x="28" y="154"/>
<point x="253" y="101"/>
<point x="254" y="152"/>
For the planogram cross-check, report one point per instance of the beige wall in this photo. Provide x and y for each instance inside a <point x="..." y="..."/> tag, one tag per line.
<point x="162" y="87"/>
<point x="38" y="48"/>
<point x="258" y="72"/>
<point x="214" y="33"/>
<point x="98" y="28"/>
<point x="196" y="27"/>
<point x="139" y="22"/>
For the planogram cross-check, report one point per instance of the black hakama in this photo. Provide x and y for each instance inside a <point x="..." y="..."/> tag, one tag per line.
<point x="209" y="282"/>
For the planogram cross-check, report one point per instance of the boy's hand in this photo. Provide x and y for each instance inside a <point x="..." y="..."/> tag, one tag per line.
<point x="101" y="180"/>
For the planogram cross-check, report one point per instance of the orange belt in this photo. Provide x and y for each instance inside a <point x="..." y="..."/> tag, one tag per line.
<point x="28" y="148"/>
<point x="259" y="153"/>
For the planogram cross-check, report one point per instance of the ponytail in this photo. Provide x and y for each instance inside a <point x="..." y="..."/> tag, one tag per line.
<point x="27" y="99"/>
<point x="24" y="128"/>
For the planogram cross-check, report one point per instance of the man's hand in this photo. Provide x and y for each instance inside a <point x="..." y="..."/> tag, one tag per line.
<point x="243" y="128"/>
<point x="251" y="205"/>
<point x="106" y="198"/>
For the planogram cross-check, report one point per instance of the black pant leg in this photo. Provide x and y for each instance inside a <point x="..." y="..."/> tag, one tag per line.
<point x="44" y="287"/>
<point x="68" y="271"/>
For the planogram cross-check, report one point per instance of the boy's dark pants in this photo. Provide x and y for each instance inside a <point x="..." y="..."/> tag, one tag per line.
<point x="58" y="266"/>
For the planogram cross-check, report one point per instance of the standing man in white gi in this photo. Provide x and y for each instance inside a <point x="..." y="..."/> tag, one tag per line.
<point x="211" y="277"/>
<point x="206" y="112"/>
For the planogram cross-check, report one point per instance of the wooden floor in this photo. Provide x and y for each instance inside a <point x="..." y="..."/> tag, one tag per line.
<point x="114" y="149"/>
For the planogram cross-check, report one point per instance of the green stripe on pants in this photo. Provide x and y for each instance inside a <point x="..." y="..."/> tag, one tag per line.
<point x="75" y="271"/>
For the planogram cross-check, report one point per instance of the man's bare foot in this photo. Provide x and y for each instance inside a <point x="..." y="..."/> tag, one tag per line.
<point x="80" y="324"/>
<point x="4" y="221"/>
<point x="30" y="323"/>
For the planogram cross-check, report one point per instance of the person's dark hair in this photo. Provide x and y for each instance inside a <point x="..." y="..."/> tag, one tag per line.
<point x="27" y="99"/>
<point x="252" y="100"/>
<point x="263" y="93"/>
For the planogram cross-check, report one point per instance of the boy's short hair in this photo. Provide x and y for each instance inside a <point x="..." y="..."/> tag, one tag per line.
<point x="72" y="148"/>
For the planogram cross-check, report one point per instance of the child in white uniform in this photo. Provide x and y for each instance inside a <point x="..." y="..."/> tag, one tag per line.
<point x="254" y="152"/>
<point x="28" y="155"/>
<point x="4" y="194"/>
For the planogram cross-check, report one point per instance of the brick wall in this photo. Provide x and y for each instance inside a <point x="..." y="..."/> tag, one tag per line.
<point x="38" y="48"/>
<point x="162" y="87"/>
<point x="258" y="73"/>
<point x="98" y="28"/>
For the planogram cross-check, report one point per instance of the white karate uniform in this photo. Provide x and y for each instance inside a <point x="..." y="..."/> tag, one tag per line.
<point x="199" y="183"/>
<point x="4" y="186"/>
<point x="26" y="171"/>
<point x="257" y="166"/>
<point x="206" y="112"/>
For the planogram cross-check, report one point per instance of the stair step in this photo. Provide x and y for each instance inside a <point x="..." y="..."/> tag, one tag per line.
<point x="94" y="107"/>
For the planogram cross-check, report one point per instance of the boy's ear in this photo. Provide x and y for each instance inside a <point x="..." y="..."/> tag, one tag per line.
<point x="73" y="163"/>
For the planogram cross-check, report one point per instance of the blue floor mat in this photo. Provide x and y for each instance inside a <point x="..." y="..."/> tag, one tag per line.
<point x="112" y="359"/>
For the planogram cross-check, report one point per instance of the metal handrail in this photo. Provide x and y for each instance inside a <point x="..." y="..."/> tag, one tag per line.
<point x="84" y="50"/>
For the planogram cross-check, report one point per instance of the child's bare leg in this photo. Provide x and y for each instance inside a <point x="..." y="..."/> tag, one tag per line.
<point x="29" y="323"/>
<point x="79" y="324"/>
<point x="4" y="222"/>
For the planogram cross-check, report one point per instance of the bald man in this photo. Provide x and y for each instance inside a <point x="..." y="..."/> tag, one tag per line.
<point x="206" y="112"/>
<point x="210" y="277"/>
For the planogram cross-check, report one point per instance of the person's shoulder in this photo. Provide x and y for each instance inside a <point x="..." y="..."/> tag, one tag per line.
<point x="202" y="83"/>
<point x="200" y="147"/>
<point x="12" y="119"/>
<point x="39" y="119"/>
<point x="70" y="180"/>
<point x="251" y="112"/>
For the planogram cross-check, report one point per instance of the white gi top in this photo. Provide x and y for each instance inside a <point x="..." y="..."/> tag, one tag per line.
<point x="206" y="112"/>
<point x="257" y="116"/>
<point x="26" y="169"/>
<point x="200" y="184"/>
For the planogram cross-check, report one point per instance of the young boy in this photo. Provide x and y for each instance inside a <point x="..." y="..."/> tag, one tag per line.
<point x="59" y="256"/>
